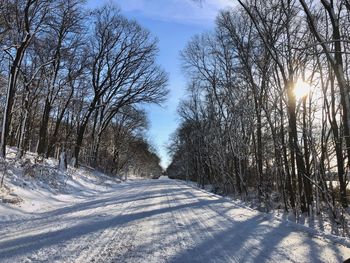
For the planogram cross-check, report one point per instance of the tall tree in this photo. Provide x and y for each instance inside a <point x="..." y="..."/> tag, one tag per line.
<point x="122" y="66"/>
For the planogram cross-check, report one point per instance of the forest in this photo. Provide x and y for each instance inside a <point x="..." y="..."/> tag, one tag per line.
<point x="174" y="131"/>
<point x="73" y="83"/>
<point x="267" y="116"/>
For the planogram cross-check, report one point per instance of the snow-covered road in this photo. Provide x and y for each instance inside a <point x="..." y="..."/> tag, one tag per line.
<point x="160" y="221"/>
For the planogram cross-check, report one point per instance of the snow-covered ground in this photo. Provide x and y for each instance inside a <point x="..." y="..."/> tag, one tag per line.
<point x="150" y="221"/>
<point x="321" y="223"/>
<point x="31" y="188"/>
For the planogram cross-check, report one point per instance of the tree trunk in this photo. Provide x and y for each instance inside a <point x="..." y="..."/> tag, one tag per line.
<point x="22" y="137"/>
<point x="42" y="145"/>
<point x="307" y="182"/>
<point x="296" y="154"/>
<point x="54" y="137"/>
<point x="11" y="88"/>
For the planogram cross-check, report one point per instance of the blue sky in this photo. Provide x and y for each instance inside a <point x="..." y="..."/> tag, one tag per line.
<point x="173" y="22"/>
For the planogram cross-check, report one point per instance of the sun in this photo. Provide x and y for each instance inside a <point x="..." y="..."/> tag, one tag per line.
<point x="301" y="89"/>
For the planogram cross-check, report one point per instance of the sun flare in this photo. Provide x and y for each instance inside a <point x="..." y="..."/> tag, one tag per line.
<point x="301" y="89"/>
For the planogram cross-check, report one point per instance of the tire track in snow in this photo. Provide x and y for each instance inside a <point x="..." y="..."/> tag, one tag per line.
<point x="161" y="221"/>
<point x="46" y="219"/>
<point x="141" y="238"/>
<point x="195" y="220"/>
<point x="107" y="240"/>
<point x="57" y="232"/>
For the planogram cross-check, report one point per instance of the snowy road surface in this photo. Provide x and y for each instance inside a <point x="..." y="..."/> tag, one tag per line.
<point x="160" y="221"/>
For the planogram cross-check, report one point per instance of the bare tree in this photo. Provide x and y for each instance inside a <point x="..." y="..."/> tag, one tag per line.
<point x="28" y="18"/>
<point x="123" y="69"/>
<point x="60" y="46"/>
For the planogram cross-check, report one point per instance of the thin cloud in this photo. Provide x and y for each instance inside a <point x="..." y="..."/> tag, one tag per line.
<point x="179" y="11"/>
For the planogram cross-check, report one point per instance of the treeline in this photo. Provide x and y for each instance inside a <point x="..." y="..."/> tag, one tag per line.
<point x="73" y="82"/>
<point x="249" y="126"/>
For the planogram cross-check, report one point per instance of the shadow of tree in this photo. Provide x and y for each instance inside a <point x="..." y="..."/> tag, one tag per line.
<point x="220" y="230"/>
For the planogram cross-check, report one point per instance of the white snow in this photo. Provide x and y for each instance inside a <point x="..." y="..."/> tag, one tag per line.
<point x="149" y="221"/>
<point x="47" y="188"/>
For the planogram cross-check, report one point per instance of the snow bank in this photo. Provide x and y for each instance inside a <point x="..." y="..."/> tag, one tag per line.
<point x="31" y="187"/>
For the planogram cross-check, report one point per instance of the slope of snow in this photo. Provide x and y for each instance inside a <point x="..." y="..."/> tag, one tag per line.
<point x="43" y="188"/>
<point x="159" y="221"/>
